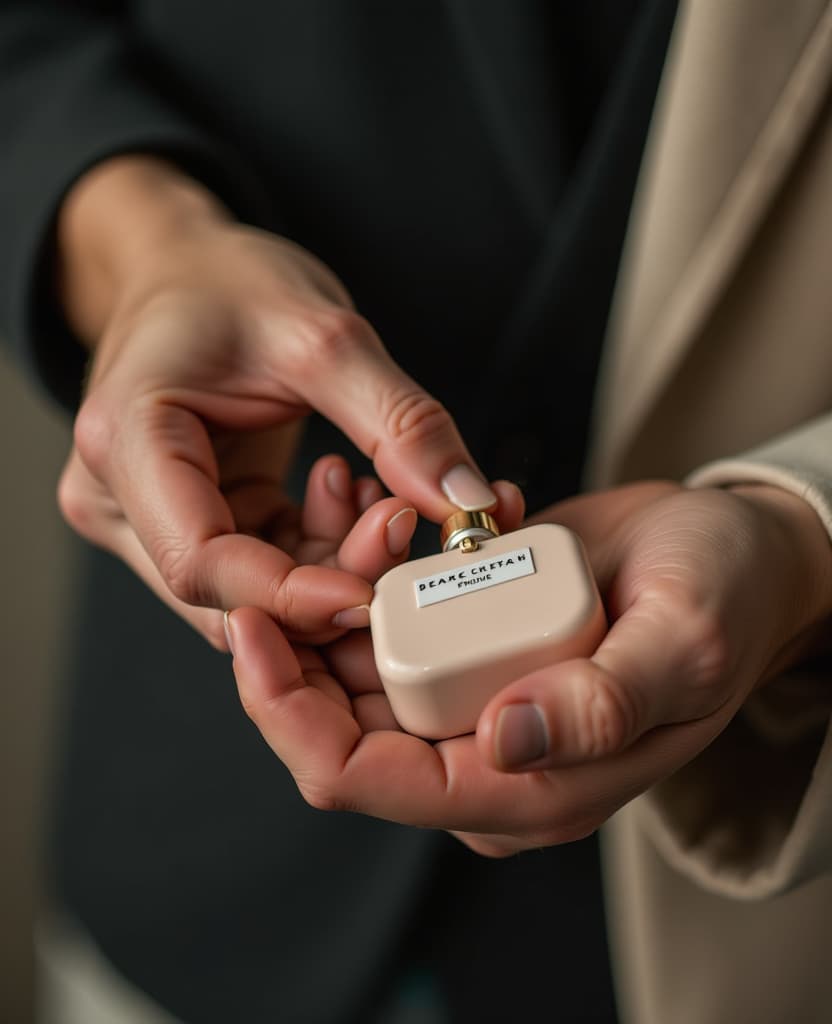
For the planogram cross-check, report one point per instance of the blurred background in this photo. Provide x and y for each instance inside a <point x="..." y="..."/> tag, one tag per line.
<point x="35" y="551"/>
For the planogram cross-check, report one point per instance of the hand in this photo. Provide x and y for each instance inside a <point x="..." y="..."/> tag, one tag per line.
<point x="709" y="593"/>
<point x="213" y="341"/>
<point x="342" y="674"/>
<point x="345" y="525"/>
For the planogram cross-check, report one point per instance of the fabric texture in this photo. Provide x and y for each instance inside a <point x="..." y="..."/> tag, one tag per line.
<point x="716" y="368"/>
<point x="409" y="191"/>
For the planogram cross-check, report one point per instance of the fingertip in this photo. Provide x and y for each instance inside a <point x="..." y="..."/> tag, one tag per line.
<point x="466" y="489"/>
<point x="521" y="737"/>
<point x="353" y="618"/>
<point x="573" y="712"/>
<point x="511" y="505"/>
<point x="262" y="657"/>
<point x="246" y="628"/>
<point x="329" y="477"/>
<point x="379" y="540"/>
<point x="328" y="506"/>
<point x="399" y="531"/>
<point x="311" y="596"/>
<point x="338" y="479"/>
<point x="517" y="729"/>
<point x="368" y="490"/>
<point x="514" y="734"/>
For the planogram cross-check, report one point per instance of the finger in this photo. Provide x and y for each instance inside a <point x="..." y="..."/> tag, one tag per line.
<point x="254" y="465"/>
<point x="329" y="509"/>
<point x="164" y="477"/>
<point x="315" y="671"/>
<point x="352" y="662"/>
<point x="208" y="622"/>
<point x="413" y="441"/>
<point x="85" y="503"/>
<point x="373" y="713"/>
<point x="379" y="540"/>
<point x="511" y="506"/>
<point x="395" y="776"/>
<point x="352" y="659"/>
<point x="384" y="773"/>
<point x="662" y="662"/>
<point x="258" y="505"/>
<point x="91" y="511"/>
<point x="368" y="491"/>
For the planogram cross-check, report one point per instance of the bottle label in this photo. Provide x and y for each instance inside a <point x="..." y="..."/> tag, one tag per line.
<point x="476" y="576"/>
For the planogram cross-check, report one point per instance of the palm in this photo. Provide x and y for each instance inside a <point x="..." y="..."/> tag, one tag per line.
<point x="699" y="588"/>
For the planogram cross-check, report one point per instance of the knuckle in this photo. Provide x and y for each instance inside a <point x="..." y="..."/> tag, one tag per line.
<point x="607" y="715"/>
<point x="249" y="707"/>
<point x="708" y="650"/>
<point x="257" y="709"/>
<point x="329" y="336"/>
<point x="93" y="435"/>
<point x="285" y="600"/>
<point x="414" y="417"/>
<point x="178" y="566"/>
<point x="698" y="633"/>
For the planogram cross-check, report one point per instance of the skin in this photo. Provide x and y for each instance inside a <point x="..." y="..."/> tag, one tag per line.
<point x="211" y="343"/>
<point x="709" y="593"/>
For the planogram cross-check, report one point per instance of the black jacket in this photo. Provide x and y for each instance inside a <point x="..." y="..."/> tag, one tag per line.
<point x="466" y="168"/>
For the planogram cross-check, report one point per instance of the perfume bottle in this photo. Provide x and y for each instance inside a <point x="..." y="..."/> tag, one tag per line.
<point x="452" y="629"/>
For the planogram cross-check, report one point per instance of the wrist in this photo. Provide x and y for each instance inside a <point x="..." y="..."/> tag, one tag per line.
<point x="117" y="215"/>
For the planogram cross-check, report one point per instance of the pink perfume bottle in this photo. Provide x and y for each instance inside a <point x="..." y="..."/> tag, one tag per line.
<point x="452" y="629"/>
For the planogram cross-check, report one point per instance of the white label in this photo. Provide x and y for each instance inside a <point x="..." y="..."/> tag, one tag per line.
<point x="474" y="576"/>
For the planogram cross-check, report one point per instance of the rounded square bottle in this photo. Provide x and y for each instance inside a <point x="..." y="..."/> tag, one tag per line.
<point x="450" y="630"/>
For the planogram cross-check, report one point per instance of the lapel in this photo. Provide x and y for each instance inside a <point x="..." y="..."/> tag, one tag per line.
<point x="742" y="84"/>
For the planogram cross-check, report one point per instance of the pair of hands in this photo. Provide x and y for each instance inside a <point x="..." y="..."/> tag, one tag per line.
<point x="708" y="593"/>
<point x="215" y="342"/>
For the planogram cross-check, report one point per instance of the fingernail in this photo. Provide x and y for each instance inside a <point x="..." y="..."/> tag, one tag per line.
<point x="462" y="486"/>
<point x="339" y="482"/>
<point x="522" y="736"/>
<point x="353" y="618"/>
<point x="226" y="625"/>
<point x="400" y="530"/>
<point x="368" y="492"/>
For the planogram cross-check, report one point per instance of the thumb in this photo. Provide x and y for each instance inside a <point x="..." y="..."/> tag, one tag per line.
<point x="412" y="439"/>
<point x="659" y="664"/>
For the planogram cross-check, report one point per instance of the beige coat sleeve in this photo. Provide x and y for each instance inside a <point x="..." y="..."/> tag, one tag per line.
<point x="751" y="817"/>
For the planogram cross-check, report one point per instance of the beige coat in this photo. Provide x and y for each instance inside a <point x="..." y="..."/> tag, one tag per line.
<point x="720" y="353"/>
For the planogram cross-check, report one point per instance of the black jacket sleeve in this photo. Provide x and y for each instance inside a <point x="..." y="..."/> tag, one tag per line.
<point x="75" y="89"/>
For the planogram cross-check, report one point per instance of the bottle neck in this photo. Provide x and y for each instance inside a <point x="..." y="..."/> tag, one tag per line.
<point x="467" y="530"/>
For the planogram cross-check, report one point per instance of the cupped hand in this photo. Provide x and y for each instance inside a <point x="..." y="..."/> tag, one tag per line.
<point x="709" y="593"/>
<point x="216" y="340"/>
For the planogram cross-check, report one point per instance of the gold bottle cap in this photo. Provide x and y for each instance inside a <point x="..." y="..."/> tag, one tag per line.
<point x="461" y="525"/>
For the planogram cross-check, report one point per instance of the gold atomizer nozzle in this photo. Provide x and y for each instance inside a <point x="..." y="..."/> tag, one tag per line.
<point x="470" y="526"/>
